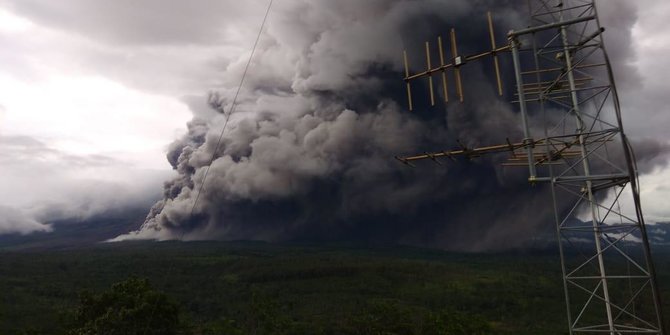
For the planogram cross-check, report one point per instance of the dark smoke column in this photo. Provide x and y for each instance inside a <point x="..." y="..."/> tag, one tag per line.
<point x="308" y="155"/>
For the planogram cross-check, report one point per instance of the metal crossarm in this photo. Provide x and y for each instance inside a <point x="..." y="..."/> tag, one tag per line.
<point x="457" y="61"/>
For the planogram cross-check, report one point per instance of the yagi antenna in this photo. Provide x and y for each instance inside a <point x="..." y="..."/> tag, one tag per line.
<point x="496" y="64"/>
<point x="409" y="87"/>
<point x="445" y="88"/>
<point x="430" y="77"/>
<point x="457" y="61"/>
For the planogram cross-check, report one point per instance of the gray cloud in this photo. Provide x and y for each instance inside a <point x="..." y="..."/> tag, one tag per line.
<point x="644" y="93"/>
<point x="42" y="184"/>
<point x="152" y="22"/>
<point x="618" y="17"/>
<point x="166" y="47"/>
<point x="13" y="220"/>
<point x="308" y="153"/>
<point x="19" y="150"/>
<point x="309" y="150"/>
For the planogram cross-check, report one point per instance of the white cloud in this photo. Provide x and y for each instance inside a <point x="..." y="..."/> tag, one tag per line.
<point x="645" y="106"/>
<point x="47" y="184"/>
<point x="13" y="220"/>
<point x="74" y="136"/>
<point x="646" y="113"/>
<point x="86" y="115"/>
<point x="97" y="91"/>
<point x="654" y="192"/>
<point x="10" y="23"/>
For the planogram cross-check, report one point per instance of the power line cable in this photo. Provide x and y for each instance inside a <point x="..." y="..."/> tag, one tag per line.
<point x="218" y="144"/>
<point x="232" y="108"/>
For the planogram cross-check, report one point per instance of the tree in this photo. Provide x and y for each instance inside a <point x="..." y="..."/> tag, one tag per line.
<point x="453" y="322"/>
<point x="130" y="307"/>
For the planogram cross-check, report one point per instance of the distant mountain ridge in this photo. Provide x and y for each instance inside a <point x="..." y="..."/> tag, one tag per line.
<point x="74" y="233"/>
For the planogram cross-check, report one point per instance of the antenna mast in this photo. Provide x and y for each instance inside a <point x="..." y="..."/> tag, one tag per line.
<point x="576" y="144"/>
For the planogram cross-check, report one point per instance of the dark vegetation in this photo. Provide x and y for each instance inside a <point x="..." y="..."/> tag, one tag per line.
<point x="255" y="288"/>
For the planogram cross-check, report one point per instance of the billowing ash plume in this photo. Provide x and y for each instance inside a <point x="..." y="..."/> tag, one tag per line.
<point x="308" y="153"/>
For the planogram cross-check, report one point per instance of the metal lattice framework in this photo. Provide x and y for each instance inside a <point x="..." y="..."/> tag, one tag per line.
<point x="574" y="141"/>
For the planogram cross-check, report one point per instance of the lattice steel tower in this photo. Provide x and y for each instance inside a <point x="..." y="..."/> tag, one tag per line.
<point x="574" y="141"/>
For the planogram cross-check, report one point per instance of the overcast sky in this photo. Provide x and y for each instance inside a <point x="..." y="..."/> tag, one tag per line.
<point x="93" y="92"/>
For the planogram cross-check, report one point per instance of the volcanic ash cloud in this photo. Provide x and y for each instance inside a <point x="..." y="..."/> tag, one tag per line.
<point x="308" y="152"/>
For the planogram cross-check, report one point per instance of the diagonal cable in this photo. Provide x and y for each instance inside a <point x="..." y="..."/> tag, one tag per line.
<point x="218" y="144"/>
